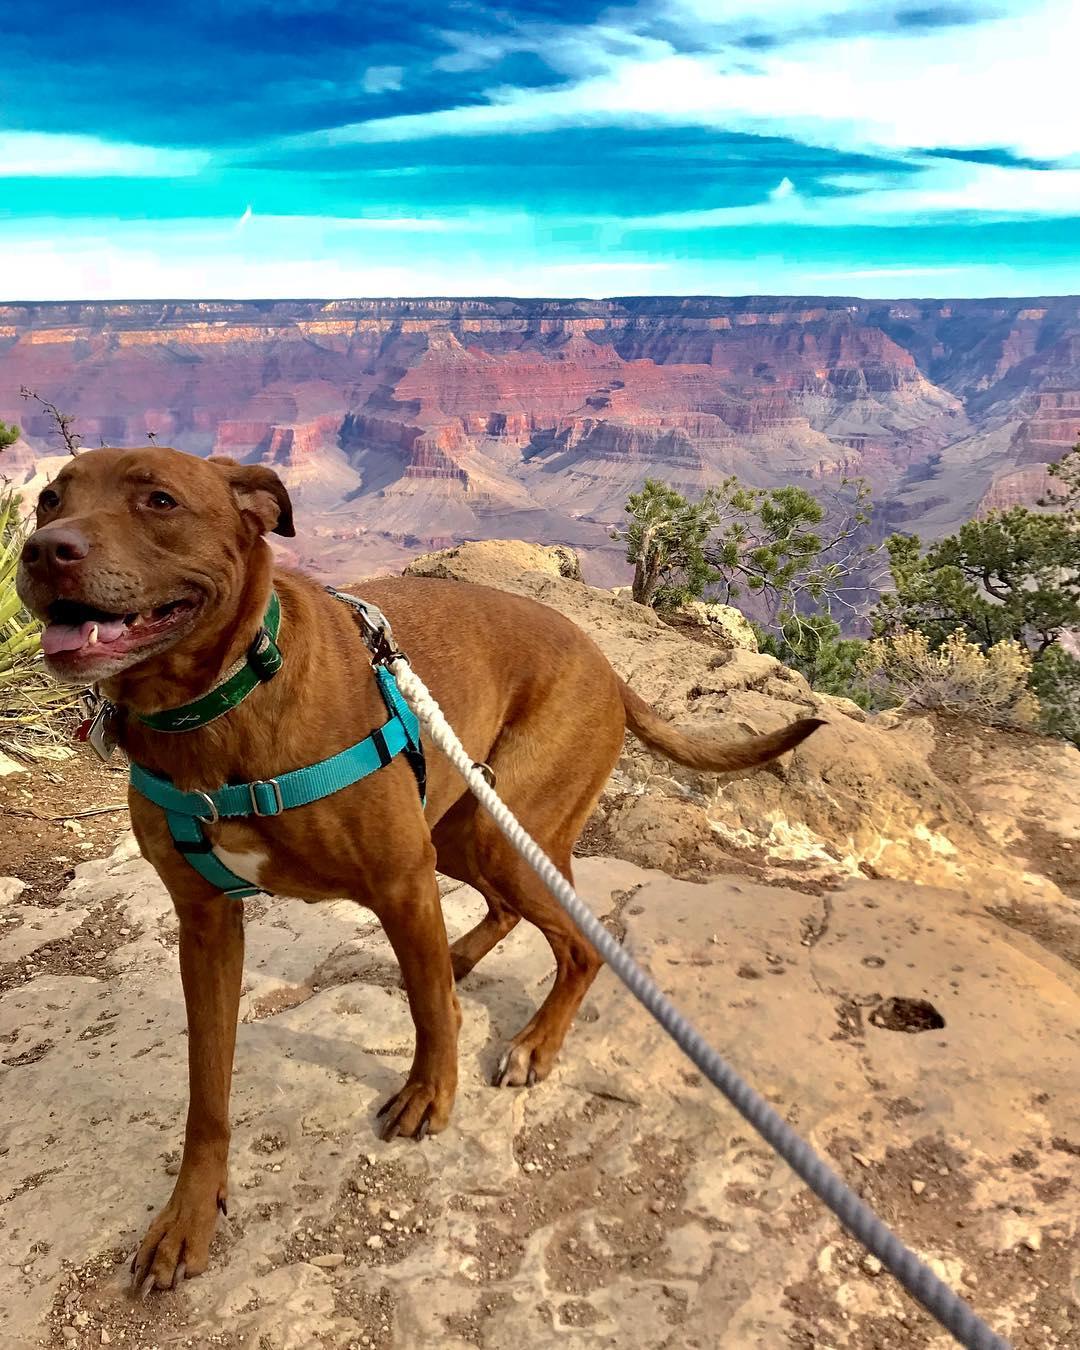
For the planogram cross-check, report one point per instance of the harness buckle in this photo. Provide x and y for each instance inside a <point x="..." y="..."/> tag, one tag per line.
<point x="253" y="793"/>
<point x="215" y="815"/>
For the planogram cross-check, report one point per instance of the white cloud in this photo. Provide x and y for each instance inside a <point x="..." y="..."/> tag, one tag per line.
<point x="1005" y="82"/>
<point x="873" y="273"/>
<point x="390" y="224"/>
<point x="323" y="225"/>
<point x="603" y="268"/>
<point x="305" y="257"/>
<point x="382" y="79"/>
<point x="170" y="267"/>
<point x="41" y="154"/>
<point x="935" y="189"/>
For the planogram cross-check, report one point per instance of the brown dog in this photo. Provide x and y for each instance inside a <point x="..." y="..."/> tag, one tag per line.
<point x="150" y="570"/>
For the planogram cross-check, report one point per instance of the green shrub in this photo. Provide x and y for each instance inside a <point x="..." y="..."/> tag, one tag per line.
<point x="34" y="709"/>
<point x="989" y="686"/>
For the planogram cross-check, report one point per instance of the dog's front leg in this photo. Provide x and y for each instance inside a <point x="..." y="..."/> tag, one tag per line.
<point x="412" y="919"/>
<point x="211" y="965"/>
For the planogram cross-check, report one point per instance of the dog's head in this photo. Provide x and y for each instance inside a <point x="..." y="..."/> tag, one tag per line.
<point x="136" y="549"/>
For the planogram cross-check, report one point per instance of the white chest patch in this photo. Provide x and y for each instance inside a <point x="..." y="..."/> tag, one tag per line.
<point x="246" y="865"/>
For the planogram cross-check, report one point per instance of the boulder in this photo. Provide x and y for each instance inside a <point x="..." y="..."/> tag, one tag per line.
<point x="486" y="561"/>
<point x="861" y="796"/>
<point x="724" y="623"/>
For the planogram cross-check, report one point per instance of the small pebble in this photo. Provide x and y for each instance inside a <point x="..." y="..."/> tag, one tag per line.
<point x="374" y="1242"/>
<point x="328" y="1260"/>
<point x="528" y="1167"/>
<point x="918" y="1186"/>
<point x="871" y="1265"/>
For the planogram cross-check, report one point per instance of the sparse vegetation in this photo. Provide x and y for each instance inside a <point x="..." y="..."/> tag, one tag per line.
<point x="957" y="676"/>
<point x="791" y="558"/>
<point x="665" y="541"/>
<point x="985" y="622"/>
<point x="790" y="552"/>
<point x="1013" y="577"/>
<point x="62" y="421"/>
<point x="816" y="648"/>
<point x="31" y="705"/>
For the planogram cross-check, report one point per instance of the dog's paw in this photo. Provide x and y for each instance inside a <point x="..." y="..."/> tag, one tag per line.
<point x="419" y="1109"/>
<point x="177" y="1243"/>
<point x="522" y="1065"/>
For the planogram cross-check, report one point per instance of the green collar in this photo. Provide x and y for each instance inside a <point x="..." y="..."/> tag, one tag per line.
<point x="260" y="662"/>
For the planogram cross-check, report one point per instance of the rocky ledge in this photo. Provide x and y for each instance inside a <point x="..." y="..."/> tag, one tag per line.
<point x="881" y="932"/>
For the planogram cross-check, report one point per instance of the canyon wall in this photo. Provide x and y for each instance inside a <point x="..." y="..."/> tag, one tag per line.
<point x="429" y="421"/>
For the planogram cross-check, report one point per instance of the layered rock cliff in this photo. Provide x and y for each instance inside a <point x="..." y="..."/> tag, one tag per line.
<point x="444" y="419"/>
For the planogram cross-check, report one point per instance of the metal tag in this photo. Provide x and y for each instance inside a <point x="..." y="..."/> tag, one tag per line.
<point x="99" y="729"/>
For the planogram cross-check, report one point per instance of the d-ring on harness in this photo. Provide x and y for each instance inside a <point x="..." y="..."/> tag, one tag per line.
<point x="187" y="813"/>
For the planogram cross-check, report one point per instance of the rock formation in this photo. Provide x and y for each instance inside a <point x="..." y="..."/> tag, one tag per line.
<point x="434" y="421"/>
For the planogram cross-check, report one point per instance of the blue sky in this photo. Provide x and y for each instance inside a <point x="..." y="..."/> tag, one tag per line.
<point x="249" y="148"/>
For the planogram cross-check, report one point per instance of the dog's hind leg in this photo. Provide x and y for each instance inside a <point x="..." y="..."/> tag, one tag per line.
<point x="552" y="789"/>
<point x="454" y="839"/>
<point x="531" y="1054"/>
<point x="474" y="945"/>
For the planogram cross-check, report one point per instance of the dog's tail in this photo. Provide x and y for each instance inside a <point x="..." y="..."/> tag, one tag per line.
<point x="705" y="752"/>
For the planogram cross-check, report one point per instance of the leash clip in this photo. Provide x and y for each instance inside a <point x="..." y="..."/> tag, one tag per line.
<point x="378" y="635"/>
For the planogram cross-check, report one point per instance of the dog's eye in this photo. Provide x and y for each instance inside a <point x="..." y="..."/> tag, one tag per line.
<point x="161" y="501"/>
<point x="49" y="500"/>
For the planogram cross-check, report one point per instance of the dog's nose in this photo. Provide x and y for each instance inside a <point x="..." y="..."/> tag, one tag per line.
<point x="54" y="546"/>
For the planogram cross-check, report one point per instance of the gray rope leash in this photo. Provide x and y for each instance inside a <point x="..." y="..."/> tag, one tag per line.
<point x="943" y="1303"/>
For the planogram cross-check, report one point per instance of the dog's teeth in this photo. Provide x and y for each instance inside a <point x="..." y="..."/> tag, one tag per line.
<point x="92" y="636"/>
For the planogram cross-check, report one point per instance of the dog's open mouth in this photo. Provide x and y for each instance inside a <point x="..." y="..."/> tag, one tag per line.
<point x="76" y="630"/>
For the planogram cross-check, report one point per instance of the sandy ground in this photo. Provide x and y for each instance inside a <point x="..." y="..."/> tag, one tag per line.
<point x="928" y="1048"/>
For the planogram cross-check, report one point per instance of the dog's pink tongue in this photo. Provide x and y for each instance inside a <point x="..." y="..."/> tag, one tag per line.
<point x="69" y="637"/>
<point x="64" y="637"/>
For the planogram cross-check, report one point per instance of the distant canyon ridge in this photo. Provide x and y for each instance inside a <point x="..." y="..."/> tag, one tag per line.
<point x="408" y="425"/>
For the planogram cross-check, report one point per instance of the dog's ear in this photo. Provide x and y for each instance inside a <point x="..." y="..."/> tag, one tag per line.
<point x="259" y="492"/>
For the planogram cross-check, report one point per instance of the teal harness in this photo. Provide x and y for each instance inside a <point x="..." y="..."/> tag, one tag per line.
<point x="188" y="813"/>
